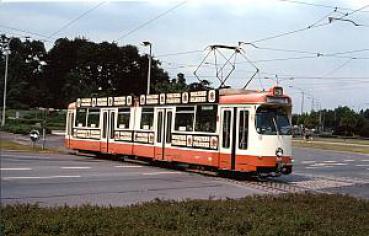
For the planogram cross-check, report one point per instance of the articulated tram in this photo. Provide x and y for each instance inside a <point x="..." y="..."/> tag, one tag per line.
<point x="224" y="129"/>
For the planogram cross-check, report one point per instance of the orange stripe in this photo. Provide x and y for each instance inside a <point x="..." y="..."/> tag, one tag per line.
<point x="199" y="157"/>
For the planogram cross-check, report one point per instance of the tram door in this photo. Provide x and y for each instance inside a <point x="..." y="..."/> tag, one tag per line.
<point x="70" y="124"/>
<point x="234" y="136"/>
<point x="107" y="128"/>
<point x="227" y="160"/>
<point x="164" y="117"/>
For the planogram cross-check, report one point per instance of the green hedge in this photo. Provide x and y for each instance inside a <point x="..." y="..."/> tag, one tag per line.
<point x="22" y="128"/>
<point x="291" y="214"/>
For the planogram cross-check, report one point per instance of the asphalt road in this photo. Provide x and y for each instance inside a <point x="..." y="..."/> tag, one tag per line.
<point x="56" y="179"/>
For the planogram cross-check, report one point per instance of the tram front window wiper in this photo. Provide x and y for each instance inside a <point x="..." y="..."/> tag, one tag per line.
<point x="272" y="122"/>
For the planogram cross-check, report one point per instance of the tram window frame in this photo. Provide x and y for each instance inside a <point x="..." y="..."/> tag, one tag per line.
<point x="147" y="112"/>
<point x="207" y="124"/>
<point x="160" y="125"/>
<point x="242" y="128"/>
<point x="124" y="113"/>
<point x="168" y="135"/>
<point x="81" y="119"/>
<point x="226" y="129"/>
<point x="91" y="112"/>
<point x="180" y="121"/>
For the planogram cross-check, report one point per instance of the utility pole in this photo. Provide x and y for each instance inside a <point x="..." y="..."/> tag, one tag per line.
<point x="302" y="102"/>
<point x="146" y="43"/>
<point x="7" y="53"/>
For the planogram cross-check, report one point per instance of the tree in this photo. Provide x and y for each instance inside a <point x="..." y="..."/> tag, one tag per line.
<point x="25" y="73"/>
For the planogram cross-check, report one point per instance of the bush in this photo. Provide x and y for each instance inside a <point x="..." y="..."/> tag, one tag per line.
<point x="22" y="128"/>
<point x="290" y="214"/>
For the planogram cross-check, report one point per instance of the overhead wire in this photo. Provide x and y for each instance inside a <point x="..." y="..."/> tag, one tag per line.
<point x="319" y="5"/>
<point x="179" y="53"/>
<point x="150" y="21"/>
<point x="43" y="36"/>
<point x="311" y="26"/>
<point x="338" y="67"/>
<point x="314" y="25"/>
<point x="75" y="19"/>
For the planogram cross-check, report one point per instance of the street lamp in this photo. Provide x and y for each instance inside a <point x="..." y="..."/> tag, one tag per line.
<point x="146" y="43"/>
<point x="302" y="99"/>
<point x="6" y="52"/>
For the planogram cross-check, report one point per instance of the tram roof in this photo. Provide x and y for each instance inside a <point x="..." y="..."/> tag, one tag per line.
<point x="242" y="96"/>
<point x="222" y="96"/>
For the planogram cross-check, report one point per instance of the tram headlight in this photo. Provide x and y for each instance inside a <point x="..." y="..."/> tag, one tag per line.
<point x="279" y="152"/>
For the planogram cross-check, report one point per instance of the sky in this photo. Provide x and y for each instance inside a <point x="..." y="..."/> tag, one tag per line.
<point x="175" y="27"/>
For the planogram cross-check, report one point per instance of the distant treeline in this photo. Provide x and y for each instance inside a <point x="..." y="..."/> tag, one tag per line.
<point x="340" y="121"/>
<point x="80" y="68"/>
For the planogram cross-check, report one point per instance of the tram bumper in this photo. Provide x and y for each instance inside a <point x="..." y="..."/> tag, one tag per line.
<point x="282" y="166"/>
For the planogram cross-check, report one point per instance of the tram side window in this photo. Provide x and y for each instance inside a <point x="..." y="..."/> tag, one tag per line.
<point x="226" y="129"/>
<point x="124" y="115"/>
<point x="81" y="117"/>
<point x="147" y="118"/>
<point x="184" y="118"/>
<point x="244" y="130"/>
<point x="93" y="119"/>
<point x="206" y="116"/>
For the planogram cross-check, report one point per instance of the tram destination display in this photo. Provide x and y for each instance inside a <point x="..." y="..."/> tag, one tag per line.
<point x="105" y="101"/>
<point x="205" y="96"/>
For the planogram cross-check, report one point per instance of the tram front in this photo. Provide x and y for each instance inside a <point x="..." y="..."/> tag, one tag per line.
<point x="273" y="132"/>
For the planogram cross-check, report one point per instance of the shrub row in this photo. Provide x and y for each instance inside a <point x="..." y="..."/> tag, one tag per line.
<point x="290" y="214"/>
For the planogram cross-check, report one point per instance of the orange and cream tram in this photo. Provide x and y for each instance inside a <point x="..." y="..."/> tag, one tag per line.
<point x="225" y="129"/>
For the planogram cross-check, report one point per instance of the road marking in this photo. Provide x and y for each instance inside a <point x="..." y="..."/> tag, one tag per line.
<point x="26" y="156"/>
<point x="75" y="167"/>
<point x="364" y="160"/>
<point x="320" y="164"/>
<point x="362" y="165"/>
<point x="330" y="161"/>
<point x="348" y="160"/>
<point x="314" y="167"/>
<point x="128" y="166"/>
<point x="161" y="173"/>
<point x="339" y="164"/>
<point x="41" y="177"/>
<point x="23" y="168"/>
<point x="307" y="162"/>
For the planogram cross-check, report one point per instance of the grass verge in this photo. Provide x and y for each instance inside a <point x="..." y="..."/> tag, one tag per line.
<point x="290" y="214"/>
<point x="330" y="146"/>
<point x="10" y="145"/>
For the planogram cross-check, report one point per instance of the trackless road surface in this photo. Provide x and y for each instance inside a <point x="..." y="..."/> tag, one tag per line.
<point x="58" y="179"/>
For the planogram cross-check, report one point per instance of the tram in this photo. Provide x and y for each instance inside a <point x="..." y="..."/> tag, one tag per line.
<point x="224" y="129"/>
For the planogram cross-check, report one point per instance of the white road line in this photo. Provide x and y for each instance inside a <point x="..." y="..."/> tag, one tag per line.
<point x="26" y="156"/>
<point x="307" y="162"/>
<point x="75" y="167"/>
<point x="330" y="161"/>
<point x="340" y="164"/>
<point x="364" y="160"/>
<point x="315" y="167"/>
<point x="16" y="168"/>
<point x="128" y="166"/>
<point x="362" y="165"/>
<point x="320" y="164"/>
<point x="41" y="177"/>
<point x="348" y="160"/>
<point x="161" y="173"/>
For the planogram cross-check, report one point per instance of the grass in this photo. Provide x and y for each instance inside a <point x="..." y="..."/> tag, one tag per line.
<point x="290" y="214"/>
<point x="10" y="145"/>
<point x="344" y="140"/>
<point x="330" y="146"/>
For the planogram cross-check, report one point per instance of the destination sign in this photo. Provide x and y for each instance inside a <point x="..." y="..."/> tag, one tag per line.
<point x="206" y="96"/>
<point x="105" y="102"/>
<point x="195" y="141"/>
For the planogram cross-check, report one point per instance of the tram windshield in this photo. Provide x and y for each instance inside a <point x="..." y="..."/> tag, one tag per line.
<point x="272" y="121"/>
